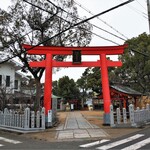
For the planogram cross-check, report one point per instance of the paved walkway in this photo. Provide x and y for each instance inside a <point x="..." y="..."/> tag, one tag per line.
<point x="76" y="126"/>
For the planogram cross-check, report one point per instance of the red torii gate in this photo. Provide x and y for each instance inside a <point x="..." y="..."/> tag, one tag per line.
<point x="48" y="63"/>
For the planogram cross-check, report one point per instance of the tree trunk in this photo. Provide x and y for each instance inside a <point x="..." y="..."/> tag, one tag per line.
<point x="38" y="94"/>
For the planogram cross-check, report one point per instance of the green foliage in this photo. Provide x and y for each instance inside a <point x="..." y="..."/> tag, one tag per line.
<point x="90" y="80"/>
<point x="66" y="88"/>
<point x="136" y="64"/>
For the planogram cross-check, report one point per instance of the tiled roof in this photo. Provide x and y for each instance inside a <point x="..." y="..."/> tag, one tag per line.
<point x="125" y="89"/>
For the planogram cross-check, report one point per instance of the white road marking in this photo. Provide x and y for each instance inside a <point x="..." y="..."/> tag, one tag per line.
<point x="9" y="140"/>
<point x="114" y="144"/>
<point x="137" y="145"/>
<point x="1" y="145"/>
<point x="94" y="143"/>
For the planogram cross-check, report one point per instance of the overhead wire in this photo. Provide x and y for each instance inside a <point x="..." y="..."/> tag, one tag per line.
<point x="79" y="19"/>
<point x="143" y="14"/>
<point x="84" y="8"/>
<point x="141" y="4"/>
<point x="32" y="30"/>
<point x="74" y="25"/>
<point x="70" y="23"/>
<point x="90" y="23"/>
<point x="97" y="26"/>
<point x="99" y="13"/>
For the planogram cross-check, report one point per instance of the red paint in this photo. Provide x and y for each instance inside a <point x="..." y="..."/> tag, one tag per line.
<point x="55" y="63"/>
<point x="48" y="63"/>
<point x="55" y="50"/>
<point x="48" y="83"/>
<point x="105" y="83"/>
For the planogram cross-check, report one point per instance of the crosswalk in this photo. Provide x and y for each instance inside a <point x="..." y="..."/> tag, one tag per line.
<point x="106" y="144"/>
<point x="7" y="140"/>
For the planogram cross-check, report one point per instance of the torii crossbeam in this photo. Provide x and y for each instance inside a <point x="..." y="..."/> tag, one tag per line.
<point x="48" y="63"/>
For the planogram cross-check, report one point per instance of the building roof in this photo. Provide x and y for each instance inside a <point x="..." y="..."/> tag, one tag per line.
<point x="126" y="90"/>
<point x="55" y="97"/>
<point x="4" y="56"/>
<point x="23" y="76"/>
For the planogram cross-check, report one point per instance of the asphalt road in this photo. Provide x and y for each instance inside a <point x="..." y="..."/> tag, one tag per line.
<point x="15" y="141"/>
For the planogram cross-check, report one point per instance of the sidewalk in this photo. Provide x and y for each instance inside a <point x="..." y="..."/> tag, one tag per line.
<point x="77" y="127"/>
<point x="80" y="125"/>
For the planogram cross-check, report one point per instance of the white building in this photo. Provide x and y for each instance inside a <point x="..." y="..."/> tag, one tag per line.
<point x="10" y="77"/>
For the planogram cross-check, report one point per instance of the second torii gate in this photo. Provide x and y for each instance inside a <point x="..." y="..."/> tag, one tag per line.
<point x="48" y="63"/>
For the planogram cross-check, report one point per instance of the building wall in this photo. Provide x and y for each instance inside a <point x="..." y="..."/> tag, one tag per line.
<point x="7" y="69"/>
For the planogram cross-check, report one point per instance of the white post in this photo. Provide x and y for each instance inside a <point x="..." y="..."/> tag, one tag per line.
<point x="38" y="119"/>
<point x="27" y="118"/>
<point x="118" y="116"/>
<point x="131" y="113"/>
<point x="112" y="123"/>
<point x="32" y="119"/>
<point x="124" y="116"/>
<point x="148" y="112"/>
<point x="43" y="117"/>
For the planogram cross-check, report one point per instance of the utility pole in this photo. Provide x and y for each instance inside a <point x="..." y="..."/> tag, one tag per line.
<point x="148" y="9"/>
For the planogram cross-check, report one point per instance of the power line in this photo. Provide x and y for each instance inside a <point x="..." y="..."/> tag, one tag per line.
<point x="100" y="19"/>
<point x="141" y="4"/>
<point x="32" y="30"/>
<point x="77" y="18"/>
<point x="76" y="24"/>
<point x="90" y="23"/>
<point x="122" y="4"/>
<point x="97" y="27"/>
<point x="137" y="11"/>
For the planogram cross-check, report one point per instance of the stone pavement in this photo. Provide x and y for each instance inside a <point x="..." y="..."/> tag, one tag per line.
<point x="77" y="127"/>
<point x="80" y="125"/>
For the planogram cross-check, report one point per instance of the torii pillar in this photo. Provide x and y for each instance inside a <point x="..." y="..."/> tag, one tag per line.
<point x="48" y="63"/>
<point x="105" y="88"/>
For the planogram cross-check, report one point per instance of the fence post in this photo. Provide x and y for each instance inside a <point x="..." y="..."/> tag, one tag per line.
<point x="124" y="116"/>
<point x="5" y="116"/>
<point x="32" y="119"/>
<point x="17" y="119"/>
<point x="43" y="117"/>
<point x="131" y="113"/>
<point x="137" y="115"/>
<point x="27" y="118"/>
<point x="38" y="119"/>
<point x="118" y="116"/>
<point x="112" y="123"/>
<point x="148" y="112"/>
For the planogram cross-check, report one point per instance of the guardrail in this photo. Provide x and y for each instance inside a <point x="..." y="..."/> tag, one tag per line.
<point x="133" y="118"/>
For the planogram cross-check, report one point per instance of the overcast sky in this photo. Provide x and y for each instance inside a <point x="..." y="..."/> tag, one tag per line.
<point x="127" y="21"/>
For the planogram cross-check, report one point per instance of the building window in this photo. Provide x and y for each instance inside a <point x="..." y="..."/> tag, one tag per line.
<point x="0" y="80"/>
<point x="7" y="81"/>
<point x="16" y="84"/>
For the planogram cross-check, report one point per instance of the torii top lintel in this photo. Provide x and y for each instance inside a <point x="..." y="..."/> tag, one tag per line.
<point x="57" y="50"/>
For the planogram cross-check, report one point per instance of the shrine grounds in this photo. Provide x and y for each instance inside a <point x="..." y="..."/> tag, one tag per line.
<point x="94" y="118"/>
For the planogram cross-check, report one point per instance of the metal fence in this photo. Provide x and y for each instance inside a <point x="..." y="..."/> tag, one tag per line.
<point x="26" y="121"/>
<point x="133" y="118"/>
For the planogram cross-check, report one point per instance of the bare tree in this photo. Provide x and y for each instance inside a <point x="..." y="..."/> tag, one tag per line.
<point x="36" y="22"/>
